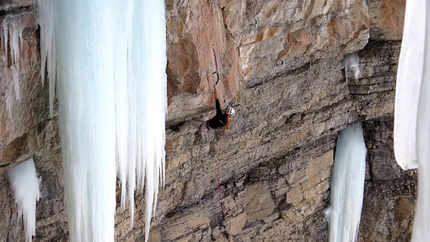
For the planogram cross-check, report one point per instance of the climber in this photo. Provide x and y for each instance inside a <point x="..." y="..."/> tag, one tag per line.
<point x="221" y="119"/>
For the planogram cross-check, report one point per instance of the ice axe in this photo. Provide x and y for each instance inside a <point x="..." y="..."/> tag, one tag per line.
<point x="216" y="67"/>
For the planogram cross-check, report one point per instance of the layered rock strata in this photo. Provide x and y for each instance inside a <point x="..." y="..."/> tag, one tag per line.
<point x="283" y="62"/>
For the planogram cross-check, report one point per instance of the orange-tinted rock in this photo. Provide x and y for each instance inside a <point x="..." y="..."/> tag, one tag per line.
<point x="21" y="106"/>
<point x="194" y="30"/>
<point x="277" y="36"/>
<point x="387" y="19"/>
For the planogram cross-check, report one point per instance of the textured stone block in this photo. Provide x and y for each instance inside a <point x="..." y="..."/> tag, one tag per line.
<point x="294" y="196"/>
<point x="259" y="202"/>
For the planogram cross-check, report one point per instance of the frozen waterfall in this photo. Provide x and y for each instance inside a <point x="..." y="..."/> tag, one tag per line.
<point x="411" y="129"/>
<point x="347" y="185"/>
<point x="109" y="58"/>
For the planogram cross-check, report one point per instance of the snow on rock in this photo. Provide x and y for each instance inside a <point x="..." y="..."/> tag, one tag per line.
<point x="352" y="64"/>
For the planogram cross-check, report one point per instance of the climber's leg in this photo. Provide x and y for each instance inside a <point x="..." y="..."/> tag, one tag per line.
<point x="191" y="123"/>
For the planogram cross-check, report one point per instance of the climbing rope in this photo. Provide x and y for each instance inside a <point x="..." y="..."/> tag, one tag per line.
<point x="232" y="104"/>
<point x="227" y="225"/>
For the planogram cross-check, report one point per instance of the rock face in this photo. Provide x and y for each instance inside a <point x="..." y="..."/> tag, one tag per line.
<point x="395" y="208"/>
<point x="268" y="177"/>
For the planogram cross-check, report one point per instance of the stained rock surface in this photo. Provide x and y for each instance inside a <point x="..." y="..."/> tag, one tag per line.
<point x="283" y="62"/>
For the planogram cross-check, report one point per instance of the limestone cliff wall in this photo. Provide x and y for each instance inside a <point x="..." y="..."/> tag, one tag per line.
<point x="283" y="62"/>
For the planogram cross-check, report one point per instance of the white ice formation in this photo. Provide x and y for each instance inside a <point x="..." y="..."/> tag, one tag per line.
<point x="11" y="42"/>
<point x="110" y="60"/>
<point x="25" y="186"/>
<point x="412" y="110"/>
<point x="352" y="63"/>
<point x="347" y="185"/>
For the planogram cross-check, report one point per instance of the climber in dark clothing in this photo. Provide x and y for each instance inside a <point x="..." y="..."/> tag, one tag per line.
<point x="221" y="119"/>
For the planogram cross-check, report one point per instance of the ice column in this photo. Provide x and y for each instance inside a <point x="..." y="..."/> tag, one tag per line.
<point x="408" y="86"/>
<point x="421" y="229"/>
<point x="110" y="60"/>
<point x="347" y="185"/>
<point x="411" y="129"/>
<point x="25" y="185"/>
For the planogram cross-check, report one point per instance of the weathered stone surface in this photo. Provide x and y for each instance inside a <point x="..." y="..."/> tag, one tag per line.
<point x="194" y="30"/>
<point x="22" y="104"/>
<point x="283" y="61"/>
<point x="389" y="190"/>
<point x="237" y="223"/>
<point x="260" y="204"/>
<point x="387" y="19"/>
<point x="276" y="36"/>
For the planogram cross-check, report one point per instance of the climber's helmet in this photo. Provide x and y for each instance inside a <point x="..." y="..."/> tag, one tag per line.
<point x="230" y="111"/>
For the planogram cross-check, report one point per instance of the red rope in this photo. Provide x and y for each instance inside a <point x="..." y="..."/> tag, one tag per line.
<point x="220" y="190"/>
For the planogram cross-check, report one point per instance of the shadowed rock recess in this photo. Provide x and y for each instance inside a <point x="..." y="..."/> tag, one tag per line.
<point x="283" y="62"/>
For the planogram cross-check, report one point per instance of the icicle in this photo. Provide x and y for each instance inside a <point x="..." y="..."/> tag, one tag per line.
<point x="154" y="88"/>
<point x="14" y="41"/>
<point x="15" y="77"/>
<point x="25" y="185"/>
<point x="12" y="34"/>
<point x="47" y="47"/>
<point x="347" y="186"/>
<point x="5" y="27"/>
<point x="9" y="103"/>
<point x="122" y="108"/>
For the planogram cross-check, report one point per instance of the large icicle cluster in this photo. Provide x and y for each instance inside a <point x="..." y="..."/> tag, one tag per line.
<point x="25" y="185"/>
<point x="347" y="185"/>
<point x="412" y="113"/>
<point x="11" y="42"/>
<point x="110" y="60"/>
